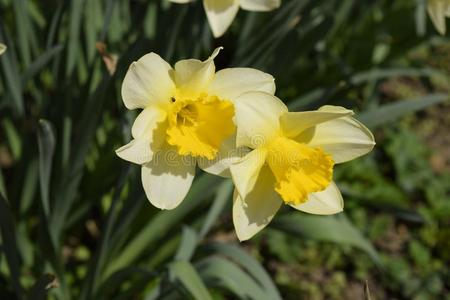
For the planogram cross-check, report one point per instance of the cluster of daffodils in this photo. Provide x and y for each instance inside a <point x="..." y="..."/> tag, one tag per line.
<point x="438" y="10"/>
<point x="229" y="123"/>
<point x="221" y="13"/>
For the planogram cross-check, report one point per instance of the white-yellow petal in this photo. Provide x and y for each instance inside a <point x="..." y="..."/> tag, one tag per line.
<point x="230" y="83"/>
<point x="228" y="154"/>
<point x="437" y="10"/>
<point x="257" y="209"/>
<point x="147" y="82"/>
<point x="245" y="172"/>
<point x="167" y="179"/>
<point x="193" y="76"/>
<point x="259" y="5"/>
<point x="2" y="48"/>
<point x="327" y="202"/>
<point x="181" y="1"/>
<point x="257" y="118"/>
<point x="149" y="133"/>
<point x="221" y="14"/>
<point x="344" y="138"/>
<point x="293" y="123"/>
<point x="137" y="151"/>
<point x="148" y="121"/>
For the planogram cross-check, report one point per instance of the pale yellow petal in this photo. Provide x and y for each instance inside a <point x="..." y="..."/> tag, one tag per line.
<point x="137" y="151"/>
<point x="221" y="14"/>
<point x="167" y="179"/>
<point x="437" y="10"/>
<point x="193" y="76"/>
<point x="181" y="1"/>
<point x="228" y="154"/>
<point x="257" y="209"/>
<point x="147" y="121"/>
<point x="259" y="5"/>
<point x="245" y="172"/>
<point x="327" y="202"/>
<point x="147" y="82"/>
<point x="257" y="118"/>
<point x="149" y="133"/>
<point x="293" y="123"/>
<point x="344" y="138"/>
<point x="2" y="48"/>
<point x="230" y="83"/>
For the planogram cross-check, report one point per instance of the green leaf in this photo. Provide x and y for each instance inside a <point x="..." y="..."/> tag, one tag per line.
<point x="336" y="229"/>
<point x="393" y="111"/>
<point x="250" y="264"/>
<point x="9" y="242"/>
<point x="189" y="278"/>
<point x="46" y="143"/>
<point x="98" y="260"/>
<point x="76" y="14"/>
<point x="12" y="76"/>
<point x="378" y="74"/>
<point x="161" y="223"/>
<point x="39" y="63"/>
<point x="22" y="26"/>
<point x="189" y="240"/>
<point x="222" y="198"/>
<point x="14" y="140"/>
<point x="220" y="272"/>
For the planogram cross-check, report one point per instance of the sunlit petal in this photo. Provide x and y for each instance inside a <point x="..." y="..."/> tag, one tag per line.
<point x="293" y="123"/>
<point x="233" y="82"/>
<point x="167" y="179"/>
<point x="257" y="118"/>
<point x="147" y="82"/>
<point x="221" y="14"/>
<point x="344" y="138"/>
<point x="253" y="212"/>
<point x="259" y="5"/>
<point x="327" y="202"/>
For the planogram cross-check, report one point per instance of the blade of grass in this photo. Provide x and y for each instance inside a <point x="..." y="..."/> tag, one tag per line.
<point x="161" y="224"/>
<point x="11" y="73"/>
<point x="189" y="239"/>
<point x="391" y="112"/>
<point x="217" y="271"/>
<point x="222" y="197"/>
<point x="11" y="252"/>
<point x="98" y="260"/>
<point x="336" y="229"/>
<point x="249" y="263"/>
<point x="46" y="143"/>
<point x="189" y="278"/>
<point x="76" y="14"/>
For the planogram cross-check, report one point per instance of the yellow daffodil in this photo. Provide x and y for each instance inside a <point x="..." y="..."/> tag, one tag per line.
<point x="438" y="10"/>
<point x="187" y="119"/>
<point x="292" y="159"/>
<point x="221" y="13"/>
<point x="2" y="48"/>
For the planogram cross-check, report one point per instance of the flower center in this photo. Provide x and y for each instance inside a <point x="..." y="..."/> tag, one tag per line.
<point x="298" y="169"/>
<point x="198" y="127"/>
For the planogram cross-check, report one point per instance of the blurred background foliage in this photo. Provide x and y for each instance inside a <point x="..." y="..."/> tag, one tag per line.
<point x="75" y="223"/>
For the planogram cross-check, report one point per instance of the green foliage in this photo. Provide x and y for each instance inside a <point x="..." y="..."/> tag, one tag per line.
<point x="74" y="219"/>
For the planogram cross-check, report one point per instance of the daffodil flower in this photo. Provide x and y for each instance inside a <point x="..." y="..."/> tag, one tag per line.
<point x="221" y="13"/>
<point x="2" y="48"/>
<point x="187" y="119"/>
<point x="292" y="159"/>
<point x="438" y="10"/>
